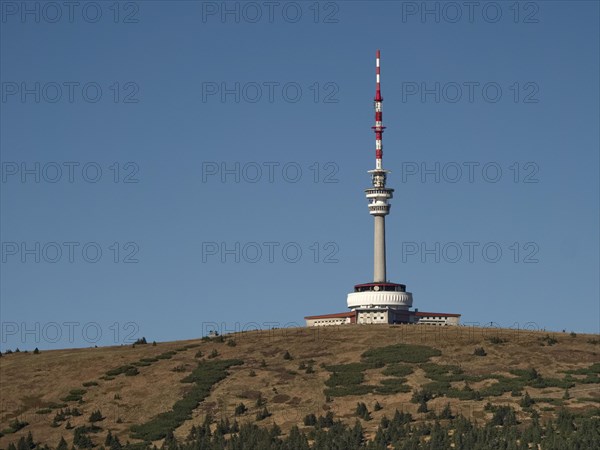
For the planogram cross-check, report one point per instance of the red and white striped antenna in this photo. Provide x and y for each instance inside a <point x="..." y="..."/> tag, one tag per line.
<point x="378" y="128"/>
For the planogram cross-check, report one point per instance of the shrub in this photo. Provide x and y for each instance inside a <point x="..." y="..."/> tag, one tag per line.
<point x="213" y="354"/>
<point x="287" y="356"/>
<point x="118" y="370"/>
<point x="166" y="355"/>
<point x="397" y="370"/>
<point x="231" y="343"/>
<point x="479" y="351"/>
<point x="445" y="373"/>
<point x="148" y="360"/>
<point x="199" y="354"/>
<point x="549" y="340"/>
<point x="90" y="383"/>
<point x="131" y="372"/>
<point x="252" y="373"/>
<point x="497" y="340"/>
<point x="75" y="395"/>
<point x="392" y="386"/>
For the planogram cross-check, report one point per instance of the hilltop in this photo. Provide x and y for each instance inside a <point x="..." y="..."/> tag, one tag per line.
<point x="144" y="392"/>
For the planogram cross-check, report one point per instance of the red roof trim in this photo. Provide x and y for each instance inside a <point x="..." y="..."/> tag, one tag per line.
<point x="422" y="313"/>
<point x="332" y="316"/>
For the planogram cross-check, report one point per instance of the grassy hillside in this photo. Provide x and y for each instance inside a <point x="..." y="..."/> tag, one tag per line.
<point x="144" y="392"/>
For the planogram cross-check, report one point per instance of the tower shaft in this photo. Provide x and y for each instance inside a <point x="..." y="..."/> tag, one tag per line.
<point x="379" y="275"/>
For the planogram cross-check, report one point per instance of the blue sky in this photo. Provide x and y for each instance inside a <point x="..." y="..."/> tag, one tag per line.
<point x="215" y="154"/>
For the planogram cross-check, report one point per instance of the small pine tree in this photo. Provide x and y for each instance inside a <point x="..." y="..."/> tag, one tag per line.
<point x="62" y="444"/>
<point x="260" y="401"/>
<point x="526" y="401"/>
<point x="377" y="406"/>
<point x="240" y="409"/>
<point x="263" y="363"/>
<point x="446" y="412"/>
<point x="29" y="441"/>
<point x="310" y="420"/>
<point x="362" y="411"/>
<point x="287" y="356"/>
<point x="422" y="407"/>
<point x="263" y="414"/>
<point x="96" y="416"/>
<point x="566" y="395"/>
<point x="115" y="444"/>
<point x="109" y="438"/>
<point x="36" y="351"/>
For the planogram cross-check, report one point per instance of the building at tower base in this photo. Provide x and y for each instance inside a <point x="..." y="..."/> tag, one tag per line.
<point x="366" y="316"/>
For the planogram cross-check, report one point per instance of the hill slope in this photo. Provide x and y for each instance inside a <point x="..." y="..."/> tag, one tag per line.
<point x="145" y="391"/>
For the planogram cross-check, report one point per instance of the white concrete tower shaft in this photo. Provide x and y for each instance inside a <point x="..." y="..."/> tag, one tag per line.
<point x="379" y="194"/>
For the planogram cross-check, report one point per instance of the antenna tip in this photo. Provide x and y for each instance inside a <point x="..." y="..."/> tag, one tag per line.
<point x="378" y="53"/>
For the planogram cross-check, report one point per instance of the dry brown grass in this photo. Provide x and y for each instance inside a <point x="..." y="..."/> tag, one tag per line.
<point x="31" y="382"/>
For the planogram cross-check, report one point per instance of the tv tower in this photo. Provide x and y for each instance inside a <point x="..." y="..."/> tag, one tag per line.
<point x="379" y="301"/>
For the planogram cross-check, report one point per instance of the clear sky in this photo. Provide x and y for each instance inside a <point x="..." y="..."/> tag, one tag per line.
<point x="171" y="165"/>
